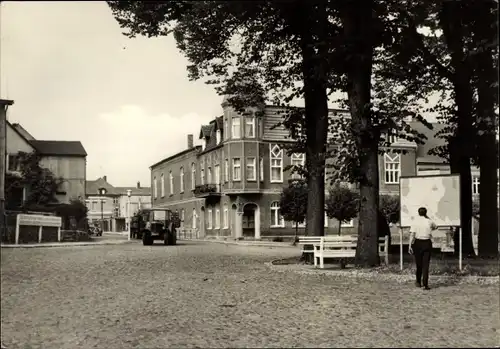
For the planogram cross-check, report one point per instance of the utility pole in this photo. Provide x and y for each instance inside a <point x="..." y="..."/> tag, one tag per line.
<point x="4" y="105"/>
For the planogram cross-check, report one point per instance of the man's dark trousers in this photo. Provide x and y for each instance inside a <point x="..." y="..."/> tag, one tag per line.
<point x="422" y="250"/>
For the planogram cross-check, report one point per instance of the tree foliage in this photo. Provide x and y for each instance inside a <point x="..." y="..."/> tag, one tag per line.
<point x="389" y="207"/>
<point x="342" y="204"/>
<point x="293" y="203"/>
<point x="40" y="184"/>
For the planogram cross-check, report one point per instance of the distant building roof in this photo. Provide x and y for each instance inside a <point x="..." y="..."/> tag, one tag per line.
<point x="59" y="148"/>
<point x="142" y="191"/>
<point x="92" y="187"/>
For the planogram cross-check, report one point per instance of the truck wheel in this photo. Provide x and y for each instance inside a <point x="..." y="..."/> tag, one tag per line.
<point x="147" y="239"/>
<point x="166" y="239"/>
<point x="172" y="240"/>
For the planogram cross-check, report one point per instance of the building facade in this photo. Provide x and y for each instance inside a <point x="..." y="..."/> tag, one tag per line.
<point x="111" y="210"/>
<point x="65" y="159"/>
<point x="230" y="186"/>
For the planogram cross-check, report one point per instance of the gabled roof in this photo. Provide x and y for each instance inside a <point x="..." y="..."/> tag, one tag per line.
<point x="219" y="122"/>
<point x="142" y="191"/>
<point x="92" y="187"/>
<point x="58" y="148"/>
<point x="205" y="131"/>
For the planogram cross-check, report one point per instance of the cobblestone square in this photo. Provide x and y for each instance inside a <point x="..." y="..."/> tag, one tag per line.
<point x="214" y="295"/>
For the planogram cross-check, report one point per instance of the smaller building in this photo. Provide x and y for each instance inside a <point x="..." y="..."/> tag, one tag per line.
<point x="65" y="159"/>
<point x="112" y="208"/>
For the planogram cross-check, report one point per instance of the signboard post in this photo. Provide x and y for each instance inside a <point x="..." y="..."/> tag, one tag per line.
<point x="39" y="221"/>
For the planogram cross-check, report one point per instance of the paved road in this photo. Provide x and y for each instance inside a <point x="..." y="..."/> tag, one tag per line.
<point x="213" y="295"/>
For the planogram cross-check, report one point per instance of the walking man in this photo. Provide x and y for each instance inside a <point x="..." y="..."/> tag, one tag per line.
<point x="421" y="246"/>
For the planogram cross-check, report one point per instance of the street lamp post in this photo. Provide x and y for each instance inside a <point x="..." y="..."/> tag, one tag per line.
<point x="129" y="193"/>
<point x="102" y="192"/>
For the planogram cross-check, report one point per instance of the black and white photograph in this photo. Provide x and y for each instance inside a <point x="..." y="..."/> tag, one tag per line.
<point x="249" y="174"/>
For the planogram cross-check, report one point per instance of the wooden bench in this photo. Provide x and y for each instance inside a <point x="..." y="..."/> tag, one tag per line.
<point x="308" y="240"/>
<point x="343" y="247"/>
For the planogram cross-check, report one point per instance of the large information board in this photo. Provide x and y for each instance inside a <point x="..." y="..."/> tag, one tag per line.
<point x="439" y="194"/>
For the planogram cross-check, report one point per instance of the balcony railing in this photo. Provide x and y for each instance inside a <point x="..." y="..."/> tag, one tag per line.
<point x="205" y="190"/>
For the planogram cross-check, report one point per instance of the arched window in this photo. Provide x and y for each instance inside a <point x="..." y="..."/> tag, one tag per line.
<point x="171" y="182"/>
<point x="193" y="225"/>
<point x="162" y="184"/>
<point x="182" y="179"/>
<point x="193" y="176"/>
<point x="277" y="220"/>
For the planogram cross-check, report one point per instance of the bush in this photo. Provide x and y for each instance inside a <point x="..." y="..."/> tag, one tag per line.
<point x="342" y="204"/>
<point x="278" y="239"/>
<point x="389" y="206"/>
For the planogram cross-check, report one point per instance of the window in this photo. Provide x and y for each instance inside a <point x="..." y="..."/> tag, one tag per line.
<point x="171" y="180"/>
<point x="209" y="175"/>
<point x="251" y="175"/>
<point x="182" y="215"/>
<point x="236" y="169"/>
<point x="217" y="136"/>
<point x="236" y="127"/>
<point x="276" y="157"/>
<point x="349" y="224"/>
<point x="193" y="176"/>
<point x="162" y="185"/>
<point x="225" y="218"/>
<point x="14" y="162"/>
<point x="298" y="160"/>
<point x="193" y="223"/>
<point x="250" y="127"/>
<point x="392" y="168"/>
<point x="217" y="174"/>
<point x="182" y="179"/>
<point x="217" y="218"/>
<point x="391" y="138"/>
<point x="475" y="185"/>
<point x="155" y="187"/>
<point x="326" y="220"/>
<point x="203" y="143"/>
<point x="209" y="218"/>
<point x="202" y="176"/>
<point x="226" y="128"/>
<point x="277" y="220"/>
<point x="261" y="169"/>
<point x="226" y="170"/>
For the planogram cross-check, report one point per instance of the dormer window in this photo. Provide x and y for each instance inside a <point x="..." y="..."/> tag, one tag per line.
<point x="218" y="136"/>
<point x="203" y="143"/>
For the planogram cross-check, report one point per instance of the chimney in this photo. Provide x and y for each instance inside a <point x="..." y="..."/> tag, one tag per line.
<point x="190" y="141"/>
<point x="138" y="185"/>
<point x="105" y="178"/>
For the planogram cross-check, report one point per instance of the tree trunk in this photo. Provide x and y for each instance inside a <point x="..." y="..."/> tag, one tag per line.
<point x="486" y="77"/>
<point x="358" y="23"/>
<point x="340" y="227"/>
<point x="314" y="68"/>
<point x="462" y="147"/>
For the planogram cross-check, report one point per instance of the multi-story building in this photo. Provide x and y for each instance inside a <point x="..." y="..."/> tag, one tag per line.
<point x="66" y="160"/>
<point x="230" y="185"/>
<point x="111" y="209"/>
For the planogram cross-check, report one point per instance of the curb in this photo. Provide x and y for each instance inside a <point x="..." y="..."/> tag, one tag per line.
<point x="398" y="278"/>
<point x="248" y="243"/>
<point x="67" y="244"/>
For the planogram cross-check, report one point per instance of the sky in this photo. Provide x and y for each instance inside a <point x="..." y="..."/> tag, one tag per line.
<point x="74" y="76"/>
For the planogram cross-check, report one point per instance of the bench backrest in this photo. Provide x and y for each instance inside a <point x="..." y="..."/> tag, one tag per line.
<point x="344" y="241"/>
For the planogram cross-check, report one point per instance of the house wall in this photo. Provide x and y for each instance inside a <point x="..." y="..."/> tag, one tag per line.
<point x="136" y="202"/>
<point x="164" y="169"/>
<point x="15" y="143"/>
<point x="72" y="169"/>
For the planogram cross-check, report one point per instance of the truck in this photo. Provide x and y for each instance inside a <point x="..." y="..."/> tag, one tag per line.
<point x="155" y="224"/>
